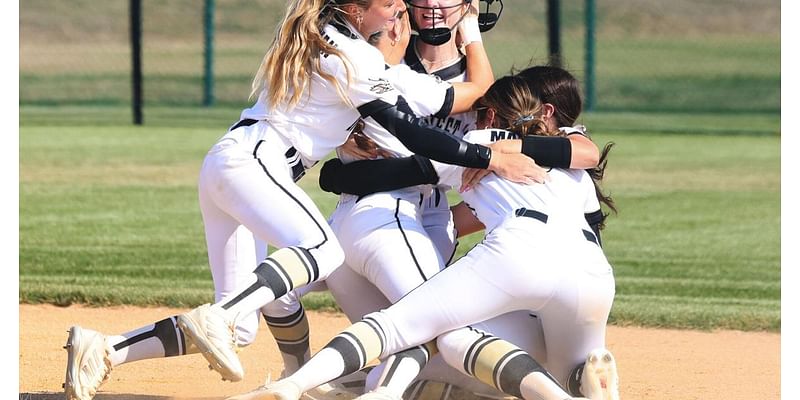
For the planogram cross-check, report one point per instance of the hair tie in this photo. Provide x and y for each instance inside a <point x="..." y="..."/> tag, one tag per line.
<point x="523" y="119"/>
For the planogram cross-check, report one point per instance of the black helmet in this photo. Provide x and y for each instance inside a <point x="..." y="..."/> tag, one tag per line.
<point x="486" y="19"/>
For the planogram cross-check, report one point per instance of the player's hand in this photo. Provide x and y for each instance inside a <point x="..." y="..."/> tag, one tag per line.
<point x="506" y="146"/>
<point x="468" y="29"/>
<point x="470" y="177"/>
<point x="517" y="167"/>
<point x="361" y="147"/>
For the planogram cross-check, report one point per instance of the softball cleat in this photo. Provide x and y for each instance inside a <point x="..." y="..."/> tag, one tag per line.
<point x="88" y="363"/>
<point x="380" y="393"/>
<point x="279" y="390"/>
<point x="600" y="380"/>
<point x="209" y="328"/>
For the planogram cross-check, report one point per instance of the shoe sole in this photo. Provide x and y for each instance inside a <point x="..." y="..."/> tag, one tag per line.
<point x="191" y="328"/>
<point x="601" y="372"/>
<point x="72" y="367"/>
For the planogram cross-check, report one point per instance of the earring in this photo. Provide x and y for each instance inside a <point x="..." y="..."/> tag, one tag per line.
<point x="359" y="20"/>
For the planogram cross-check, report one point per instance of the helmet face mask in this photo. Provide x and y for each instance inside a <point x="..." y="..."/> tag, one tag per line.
<point x="486" y="19"/>
<point x="438" y="31"/>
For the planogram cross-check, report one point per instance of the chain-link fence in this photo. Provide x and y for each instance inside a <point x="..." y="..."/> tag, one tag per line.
<point x="651" y="55"/>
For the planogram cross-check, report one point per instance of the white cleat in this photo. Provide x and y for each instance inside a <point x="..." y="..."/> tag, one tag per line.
<point x="329" y="391"/>
<point x="88" y="365"/>
<point x="210" y="329"/>
<point x="279" y="390"/>
<point x="600" y="380"/>
<point x="380" y="393"/>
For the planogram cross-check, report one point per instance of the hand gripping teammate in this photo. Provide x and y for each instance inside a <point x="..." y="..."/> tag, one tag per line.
<point x="561" y="106"/>
<point x="539" y="255"/>
<point x="310" y="93"/>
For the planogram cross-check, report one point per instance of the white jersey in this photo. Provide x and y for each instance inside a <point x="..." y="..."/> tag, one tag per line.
<point x="325" y="120"/>
<point x="563" y="198"/>
<point x="425" y="94"/>
<point x="456" y="124"/>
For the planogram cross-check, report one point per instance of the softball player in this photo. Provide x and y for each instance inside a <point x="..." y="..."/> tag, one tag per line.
<point x="367" y="230"/>
<point x="308" y="102"/>
<point x="539" y="255"/>
<point x="381" y="233"/>
<point x="563" y="106"/>
<point x="364" y="232"/>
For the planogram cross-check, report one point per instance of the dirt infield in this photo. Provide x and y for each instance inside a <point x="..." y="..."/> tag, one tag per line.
<point x="653" y="364"/>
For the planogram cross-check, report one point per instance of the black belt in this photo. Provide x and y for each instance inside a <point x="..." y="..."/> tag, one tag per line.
<point x="295" y="163"/>
<point x="524" y="212"/>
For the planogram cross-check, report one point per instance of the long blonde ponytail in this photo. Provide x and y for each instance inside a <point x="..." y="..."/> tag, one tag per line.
<point x="294" y="55"/>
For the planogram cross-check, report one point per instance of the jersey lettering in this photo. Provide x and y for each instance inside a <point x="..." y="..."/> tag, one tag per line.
<point x="449" y="124"/>
<point x="382" y="86"/>
<point x="330" y="41"/>
<point x="502" y="134"/>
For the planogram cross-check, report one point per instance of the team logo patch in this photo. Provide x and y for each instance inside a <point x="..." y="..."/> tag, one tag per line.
<point x="381" y="87"/>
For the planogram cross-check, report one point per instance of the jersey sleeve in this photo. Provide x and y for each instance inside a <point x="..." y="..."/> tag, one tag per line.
<point x="368" y="80"/>
<point x="425" y="94"/>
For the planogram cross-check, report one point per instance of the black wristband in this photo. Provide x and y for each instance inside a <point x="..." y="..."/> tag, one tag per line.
<point x="548" y="151"/>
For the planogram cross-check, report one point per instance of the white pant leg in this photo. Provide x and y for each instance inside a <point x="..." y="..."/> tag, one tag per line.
<point x="385" y="242"/>
<point x="259" y="194"/>
<point x="232" y="255"/>
<point x="438" y="223"/>
<point x="576" y="323"/>
<point x="354" y="294"/>
<point x="516" y="267"/>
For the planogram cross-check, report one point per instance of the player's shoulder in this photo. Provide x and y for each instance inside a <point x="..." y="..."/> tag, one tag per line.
<point x="359" y="53"/>
<point x="573" y="130"/>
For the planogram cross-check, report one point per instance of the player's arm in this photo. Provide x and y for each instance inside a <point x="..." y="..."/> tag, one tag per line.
<point x="571" y="151"/>
<point x="479" y="69"/>
<point x="439" y="145"/>
<point x="372" y="176"/>
<point x="465" y="221"/>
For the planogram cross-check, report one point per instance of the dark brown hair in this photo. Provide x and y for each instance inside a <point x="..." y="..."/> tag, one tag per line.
<point x="524" y="93"/>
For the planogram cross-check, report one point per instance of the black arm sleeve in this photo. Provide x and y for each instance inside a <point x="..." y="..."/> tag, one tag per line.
<point x="548" y="151"/>
<point x="372" y="176"/>
<point x="423" y="139"/>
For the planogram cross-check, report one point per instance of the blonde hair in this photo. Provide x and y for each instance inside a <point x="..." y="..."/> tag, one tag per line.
<point x="294" y="55"/>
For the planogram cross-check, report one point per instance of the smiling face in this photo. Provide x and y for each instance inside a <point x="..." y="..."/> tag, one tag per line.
<point x="430" y="14"/>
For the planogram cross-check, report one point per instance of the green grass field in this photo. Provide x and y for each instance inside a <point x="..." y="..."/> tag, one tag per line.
<point x="109" y="215"/>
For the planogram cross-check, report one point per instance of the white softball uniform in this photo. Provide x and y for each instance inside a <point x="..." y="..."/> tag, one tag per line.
<point x="247" y="183"/>
<point x="382" y="233"/>
<point x="539" y="255"/>
<point x="436" y="216"/>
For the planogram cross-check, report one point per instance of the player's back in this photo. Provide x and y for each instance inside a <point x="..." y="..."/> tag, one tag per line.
<point x="563" y="197"/>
